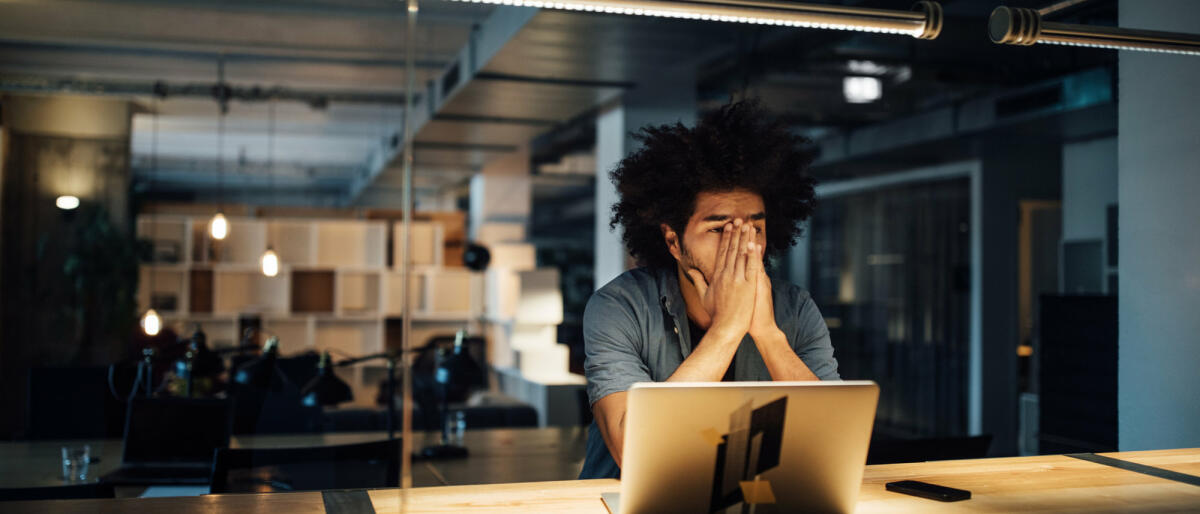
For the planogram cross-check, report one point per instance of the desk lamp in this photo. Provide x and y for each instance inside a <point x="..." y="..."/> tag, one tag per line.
<point x="260" y="371"/>
<point x="200" y="361"/>
<point x="327" y="389"/>
<point x="453" y="368"/>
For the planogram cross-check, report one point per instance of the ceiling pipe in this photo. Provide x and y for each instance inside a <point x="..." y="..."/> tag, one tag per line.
<point x="1025" y="27"/>
<point x="216" y="91"/>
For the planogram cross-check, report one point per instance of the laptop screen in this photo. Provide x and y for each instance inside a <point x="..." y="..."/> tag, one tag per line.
<point x="175" y="430"/>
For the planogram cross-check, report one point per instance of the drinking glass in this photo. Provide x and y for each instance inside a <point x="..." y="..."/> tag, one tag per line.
<point x="75" y="460"/>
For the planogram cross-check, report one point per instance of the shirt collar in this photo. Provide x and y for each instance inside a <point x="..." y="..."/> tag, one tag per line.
<point x="670" y="295"/>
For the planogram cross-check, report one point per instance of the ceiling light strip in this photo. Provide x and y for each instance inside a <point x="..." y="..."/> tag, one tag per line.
<point x="924" y="22"/>
<point x="1024" y="27"/>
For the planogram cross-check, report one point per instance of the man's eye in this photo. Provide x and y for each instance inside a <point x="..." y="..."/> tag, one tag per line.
<point x="717" y="230"/>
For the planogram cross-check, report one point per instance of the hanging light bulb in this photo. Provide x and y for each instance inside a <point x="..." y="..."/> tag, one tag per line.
<point x="218" y="227"/>
<point x="270" y="263"/>
<point x="151" y="323"/>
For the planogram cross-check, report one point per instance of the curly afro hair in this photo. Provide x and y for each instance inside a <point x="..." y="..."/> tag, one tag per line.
<point x="738" y="146"/>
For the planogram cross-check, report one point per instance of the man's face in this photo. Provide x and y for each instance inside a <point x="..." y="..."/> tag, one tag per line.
<point x="696" y="247"/>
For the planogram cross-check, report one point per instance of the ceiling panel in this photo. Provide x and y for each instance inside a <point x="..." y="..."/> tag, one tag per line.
<point x="512" y="99"/>
<point x="480" y="132"/>
<point x="605" y="47"/>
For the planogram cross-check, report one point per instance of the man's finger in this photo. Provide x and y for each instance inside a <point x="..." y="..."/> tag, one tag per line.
<point x="698" y="281"/>
<point x="755" y="264"/>
<point x="735" y="245"/>
<point x="743" y="255"/>
<point x="722" y="248"/>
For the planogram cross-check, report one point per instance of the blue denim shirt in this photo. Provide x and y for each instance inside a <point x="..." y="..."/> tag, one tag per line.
<point x="635" y="329"/>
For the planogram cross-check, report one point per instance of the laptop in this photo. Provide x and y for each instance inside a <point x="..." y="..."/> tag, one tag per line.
<point x="745" y="447"/>
<point x="171" y="441"/>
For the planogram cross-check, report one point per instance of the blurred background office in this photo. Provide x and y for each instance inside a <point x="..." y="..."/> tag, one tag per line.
<point x="203" y="200"/>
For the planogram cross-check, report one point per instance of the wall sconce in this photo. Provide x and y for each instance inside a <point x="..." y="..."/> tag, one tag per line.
<point x="1024" y="27"/>
<point x="923" y="22"/>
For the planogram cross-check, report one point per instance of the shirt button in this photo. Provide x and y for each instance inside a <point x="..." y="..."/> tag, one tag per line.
<point x="676" y="330"/>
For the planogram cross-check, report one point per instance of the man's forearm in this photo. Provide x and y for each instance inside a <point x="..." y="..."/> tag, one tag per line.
<point x="782" y="362"/>
<point x="709" y="360"/>
<point x="616" y="440"/>
<point x="610" y="418"/>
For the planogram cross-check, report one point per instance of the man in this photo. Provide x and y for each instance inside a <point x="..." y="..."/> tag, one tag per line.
<point x="700" y="209"/>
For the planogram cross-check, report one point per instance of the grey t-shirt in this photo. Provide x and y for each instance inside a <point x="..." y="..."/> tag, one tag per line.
<point x="635" y="329"/>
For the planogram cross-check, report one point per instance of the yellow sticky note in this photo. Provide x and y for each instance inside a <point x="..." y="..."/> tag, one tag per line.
<point x="757" y="492"/>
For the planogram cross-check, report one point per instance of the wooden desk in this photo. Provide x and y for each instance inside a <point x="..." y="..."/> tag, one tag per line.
<point x="1023" y="484"/>
<point x="497" y="456"/>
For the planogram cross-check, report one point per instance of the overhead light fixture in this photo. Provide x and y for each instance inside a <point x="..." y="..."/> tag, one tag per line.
<point x="1025" y="27"/>
<point x="862" y="90"/>
<point x="66" y="202"/>
<point x="270" y="262"/>
<point x="924" y="21"/>
<point x="151" y="322"/>
<point x="218" y="228"/>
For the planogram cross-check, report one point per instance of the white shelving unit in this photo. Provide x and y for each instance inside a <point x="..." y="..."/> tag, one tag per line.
<point x="334" y="291"/>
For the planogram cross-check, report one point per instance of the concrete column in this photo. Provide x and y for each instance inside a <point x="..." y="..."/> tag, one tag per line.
<point x="56" y="145"/>
<point x="501" y="192"/>
<point x="665" y="100"/>
<point x="1158" y="146"/>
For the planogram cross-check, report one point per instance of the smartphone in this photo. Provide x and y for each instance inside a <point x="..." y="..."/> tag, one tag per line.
<point x="931" y="491"/>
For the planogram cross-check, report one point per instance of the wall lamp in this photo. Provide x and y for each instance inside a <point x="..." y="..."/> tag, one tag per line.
<point x="1024" y="27"/>
<point x="924" y="21"/>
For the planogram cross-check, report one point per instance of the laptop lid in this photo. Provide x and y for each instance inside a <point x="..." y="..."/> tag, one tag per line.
<point x="779" y="446"/>
<point x="175" y="431"/>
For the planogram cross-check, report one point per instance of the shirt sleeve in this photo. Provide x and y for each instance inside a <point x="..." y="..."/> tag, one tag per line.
<point x="811" y="341"/>
<point x="611" y="340"/>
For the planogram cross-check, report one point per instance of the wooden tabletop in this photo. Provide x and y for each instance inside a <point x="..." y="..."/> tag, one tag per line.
<point x="497" y="456"/>
<point x="1053" y="483"/>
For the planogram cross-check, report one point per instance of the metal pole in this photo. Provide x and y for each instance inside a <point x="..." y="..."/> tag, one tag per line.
<point x="406" y="443"/>
<point x="391" y="396"/>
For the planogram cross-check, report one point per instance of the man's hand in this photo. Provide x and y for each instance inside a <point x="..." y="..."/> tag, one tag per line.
<point x="730" y="297"/>
<point x="763" y="323"/>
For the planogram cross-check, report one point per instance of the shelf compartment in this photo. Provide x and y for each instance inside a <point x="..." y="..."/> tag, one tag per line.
<point x="200" y="291"/>
<point x="359" y="292"/>
<point x="169" y="293"/>
<point x="453" y="293"/>
<point x="237" y="292"/>
<point x="312" y="291"/>
<point x="352" y="244"/>
<point x="394" y="294"/>
<point x="168" y="237"/>
<point x="295" y="242"/>
<point x="427" y="243"/>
